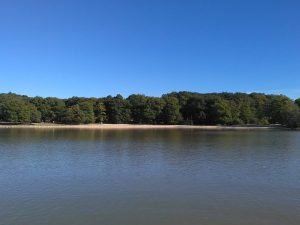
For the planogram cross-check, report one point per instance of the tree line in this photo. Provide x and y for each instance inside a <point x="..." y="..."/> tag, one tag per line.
<point x="172" y="108"/>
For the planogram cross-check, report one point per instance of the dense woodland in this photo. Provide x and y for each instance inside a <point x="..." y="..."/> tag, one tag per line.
<point x="172" y="108"/>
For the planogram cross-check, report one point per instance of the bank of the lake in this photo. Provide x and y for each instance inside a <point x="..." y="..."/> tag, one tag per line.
<point x="135" y="126"/>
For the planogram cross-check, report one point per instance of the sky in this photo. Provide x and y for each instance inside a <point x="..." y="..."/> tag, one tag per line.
<point x="87" y="48"/>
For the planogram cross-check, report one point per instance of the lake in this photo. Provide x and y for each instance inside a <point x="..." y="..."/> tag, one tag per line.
<point x="146" y="177"/>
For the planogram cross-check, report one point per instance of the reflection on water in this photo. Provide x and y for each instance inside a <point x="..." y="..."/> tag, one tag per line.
<point x="162" y="177"/>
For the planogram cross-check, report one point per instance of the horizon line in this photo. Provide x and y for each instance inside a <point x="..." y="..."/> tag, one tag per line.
<point x="126" y="96"/>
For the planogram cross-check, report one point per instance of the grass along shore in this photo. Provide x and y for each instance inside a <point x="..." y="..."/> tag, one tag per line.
<point x="133" y="126"/>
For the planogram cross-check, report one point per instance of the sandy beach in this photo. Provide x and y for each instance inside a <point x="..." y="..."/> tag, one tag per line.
<point x="132" y="126"/>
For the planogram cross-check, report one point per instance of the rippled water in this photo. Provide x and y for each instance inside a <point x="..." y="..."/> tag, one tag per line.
<point x="141" y="177"/>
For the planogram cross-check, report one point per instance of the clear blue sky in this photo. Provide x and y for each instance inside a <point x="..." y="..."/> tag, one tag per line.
<point x="95" y="48"/>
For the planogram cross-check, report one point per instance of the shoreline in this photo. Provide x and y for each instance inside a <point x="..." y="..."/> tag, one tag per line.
<point x="134" y="126"/>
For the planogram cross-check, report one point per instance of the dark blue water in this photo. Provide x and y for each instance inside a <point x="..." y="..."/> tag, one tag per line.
<point x="162" y="177"/>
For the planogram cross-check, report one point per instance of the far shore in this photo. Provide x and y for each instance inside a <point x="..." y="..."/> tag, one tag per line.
<point x="133" y="126"/>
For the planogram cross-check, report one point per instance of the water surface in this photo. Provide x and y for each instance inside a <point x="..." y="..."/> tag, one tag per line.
<point x="143" y="177"/>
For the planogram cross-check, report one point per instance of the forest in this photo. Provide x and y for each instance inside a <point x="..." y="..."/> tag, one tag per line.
<point x="172" y="108"/>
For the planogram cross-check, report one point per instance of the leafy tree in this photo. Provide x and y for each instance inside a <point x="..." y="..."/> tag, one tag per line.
<point x="72" y="101"/>
<point x="74" y="115"/>
<point x="118" y="109"/>
<point x="219" y="111"/>
<point x="138" y="105"/>
<point x="153" y="110"/>
<point x="14" y="108"/>
<point x="261" y="105"/>
<point x="51" y="109"/>
<point x="100" y="112"/>
<point x="278" y="107"/>
<point x="246" y="113"/>
<point x="35" y="115"/>
<point x="194" y="110"/>
<point x="88" y="112"/>
<point x="291" y="116"/>
<point x="235" y="113"/>
<point x="172" y="108"/>
<point x="171" y="113"/>
<point x="182" y="97"/>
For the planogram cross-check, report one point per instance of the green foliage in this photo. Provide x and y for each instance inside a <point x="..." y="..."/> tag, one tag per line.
<point x="51" y="109"/>
<point x="297" y="101"/>
<point x="173" y="108"/>
<point x="246" y="112"/>
<point x="145" y="109"/>
<point x="260" y="108"/>
<point x="138" y="104"/>
<point x="290" y="115"/>
<point x="278" y="107"/>
<point x="171" y="113"/>
<point x="153" y="110"/>
<point x="14" y="108"/>
<point x="220" y="112"/>
<point x="194" y="110"/>
<point x="74" y="115"/>
<point x="88" y="112"/>
<point x="100" y="112"/>
<point x="35" y="115"/>
<point x="118" y="109"/>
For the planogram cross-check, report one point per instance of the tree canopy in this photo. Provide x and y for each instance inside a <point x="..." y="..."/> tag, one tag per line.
<point x="171" y="108"/>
